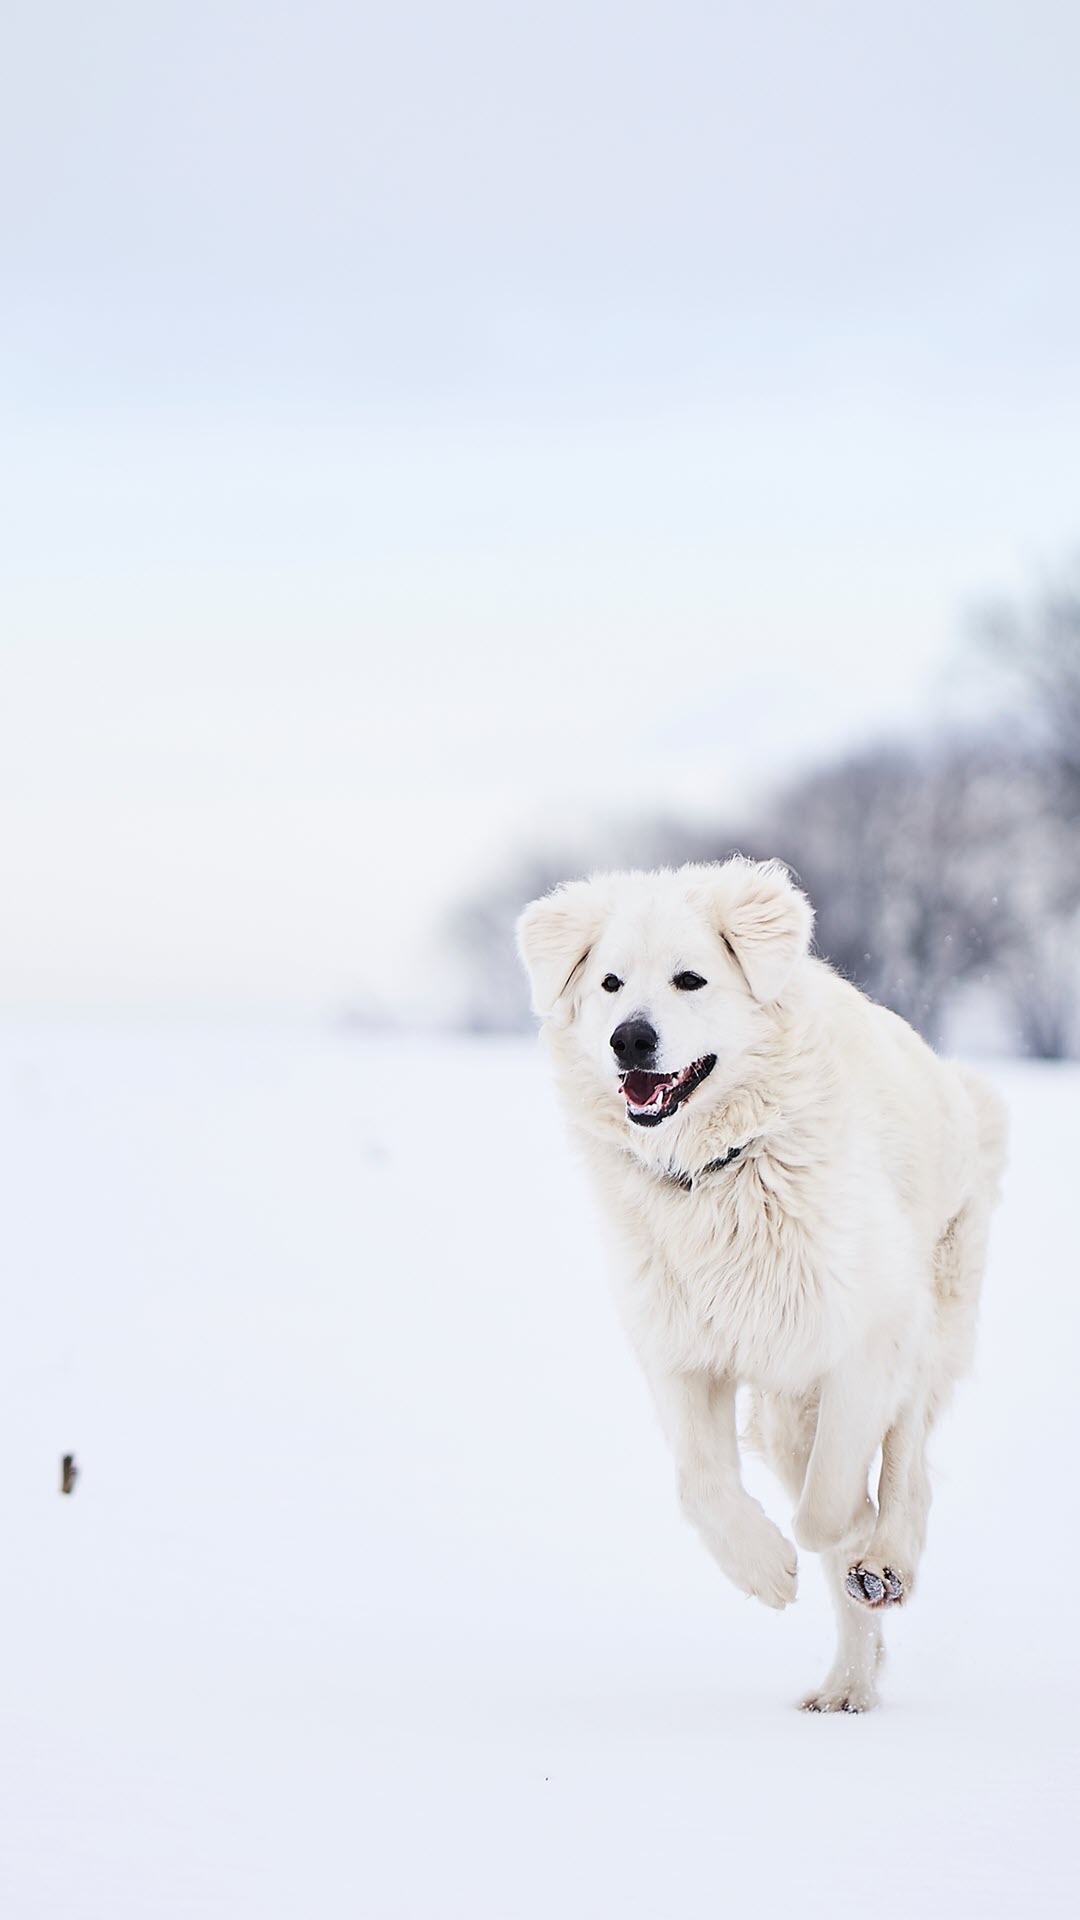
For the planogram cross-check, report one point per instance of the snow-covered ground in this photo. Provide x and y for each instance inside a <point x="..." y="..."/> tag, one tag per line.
<point x="373" y="1603"/>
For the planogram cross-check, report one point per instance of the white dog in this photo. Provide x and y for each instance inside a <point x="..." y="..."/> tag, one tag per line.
<point x="800" y="1192"/>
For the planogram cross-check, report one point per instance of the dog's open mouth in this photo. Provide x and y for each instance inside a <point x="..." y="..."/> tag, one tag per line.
<point x="652" y="1097"/>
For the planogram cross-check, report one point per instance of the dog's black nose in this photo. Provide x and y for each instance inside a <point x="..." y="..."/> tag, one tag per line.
<point x="634" y="1043"/>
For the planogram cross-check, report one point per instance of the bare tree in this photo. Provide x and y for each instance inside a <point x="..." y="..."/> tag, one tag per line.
<point x="931" y="867"/>
<point x="934" y="869"/>
<point x="874" y="841"/>
<point x="1039" y="645"/>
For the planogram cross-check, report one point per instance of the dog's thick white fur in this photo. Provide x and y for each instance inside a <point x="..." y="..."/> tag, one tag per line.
<point x="833" y="1265"/>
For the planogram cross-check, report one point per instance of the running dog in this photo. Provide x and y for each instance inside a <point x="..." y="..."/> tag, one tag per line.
<point x="800" y="1192"/>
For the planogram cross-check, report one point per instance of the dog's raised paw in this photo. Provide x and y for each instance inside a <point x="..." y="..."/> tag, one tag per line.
<point x="874" y="1587"/>
<point x="767" y="1567"/>
<point x="751" y="1550"/>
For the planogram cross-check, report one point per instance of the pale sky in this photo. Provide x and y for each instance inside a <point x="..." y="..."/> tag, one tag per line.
<point x="425" y="427"/>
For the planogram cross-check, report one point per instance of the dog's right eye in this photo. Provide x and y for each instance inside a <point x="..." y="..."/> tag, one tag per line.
<point x="611" y="983"/>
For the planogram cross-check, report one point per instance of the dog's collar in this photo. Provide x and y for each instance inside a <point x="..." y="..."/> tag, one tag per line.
<point x="688" y="1181"/>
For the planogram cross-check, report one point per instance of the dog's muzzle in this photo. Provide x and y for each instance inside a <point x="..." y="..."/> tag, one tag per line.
<point x="652" y="1097"/>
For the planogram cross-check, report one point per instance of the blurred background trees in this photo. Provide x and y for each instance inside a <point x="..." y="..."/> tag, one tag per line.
<point x="945" y="873"/>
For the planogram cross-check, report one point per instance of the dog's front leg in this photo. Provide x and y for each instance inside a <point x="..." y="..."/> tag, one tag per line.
<point x="855" y="1408"/>
<point x="699" y="1411"/>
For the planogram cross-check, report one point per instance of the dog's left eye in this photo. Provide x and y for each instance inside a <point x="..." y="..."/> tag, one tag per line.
<point x="611" y="983"/>
<point x="688" y="982"/>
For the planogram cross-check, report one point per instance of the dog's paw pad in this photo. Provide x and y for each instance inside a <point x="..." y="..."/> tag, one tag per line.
<point x="870" y="1589"/>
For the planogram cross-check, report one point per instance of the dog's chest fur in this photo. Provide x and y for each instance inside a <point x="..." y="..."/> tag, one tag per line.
<point x="740" y="1275"/>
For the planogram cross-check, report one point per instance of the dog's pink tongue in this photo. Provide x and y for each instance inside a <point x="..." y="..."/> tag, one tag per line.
<point x="639" y="1086"/>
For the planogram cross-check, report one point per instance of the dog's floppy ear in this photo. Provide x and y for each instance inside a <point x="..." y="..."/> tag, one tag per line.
<point x="766" y="921"/>
<point x="554" y="936"/>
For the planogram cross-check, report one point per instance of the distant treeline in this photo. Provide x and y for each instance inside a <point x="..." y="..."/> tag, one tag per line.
<point x="945" y="875"/>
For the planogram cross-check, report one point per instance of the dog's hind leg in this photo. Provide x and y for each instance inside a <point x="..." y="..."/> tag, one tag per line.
<point x="850" y="1686"/>
<point x="884" y="1575"/>
<point x="783" y="1426"/>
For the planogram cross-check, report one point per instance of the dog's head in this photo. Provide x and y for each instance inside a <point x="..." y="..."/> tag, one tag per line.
<point x="661" y="988"/>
